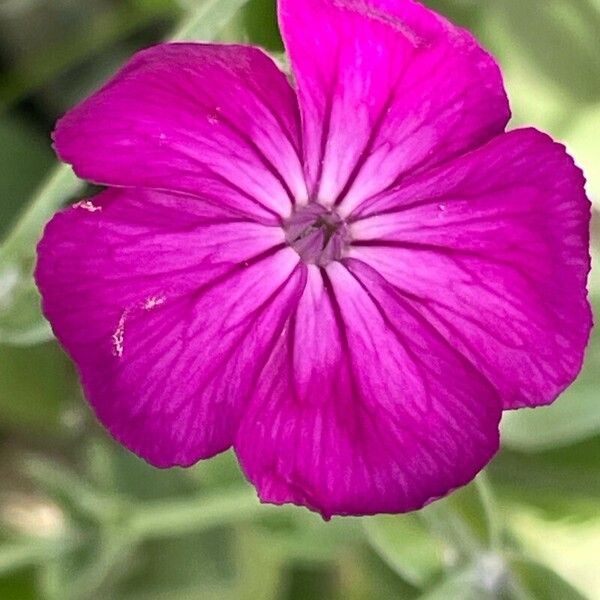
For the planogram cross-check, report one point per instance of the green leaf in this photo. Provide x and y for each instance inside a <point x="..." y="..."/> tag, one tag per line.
<point x="459" y="530"/>
<point x="209" y="21"/>
<point x="469" y="517"/>
<point x="562" y="481"/>
<point x="406" y="545"/>
<point x="560" y="39"/>
<point x="465" y="13"/>
<point x="461" y="586"/>
<point x="574" y="417"/>
<point x="259" y="582"/>
<point x="535" y="99"/>
<point x="453" y="532"/>
<point x="25" y="156"/>
<point x="567" y="547"/>
<point x="36" y="386"/>
<point x="21" y="321"/>
<point x="20" y="554"/>
<point x="541" y="582"/>
<point x="260" y="19"/>
<point x="50" y="50"/>
<point x="19" y="585"/>
<point x="583" y="141"/>
<point x="167" y="568"/>
<point x="59" y="187"/>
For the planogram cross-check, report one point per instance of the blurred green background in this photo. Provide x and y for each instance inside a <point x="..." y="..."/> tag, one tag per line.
<point x="80" y="518"/>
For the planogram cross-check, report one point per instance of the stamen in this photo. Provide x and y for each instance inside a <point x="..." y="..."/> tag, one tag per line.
<point x="318" y="234"/>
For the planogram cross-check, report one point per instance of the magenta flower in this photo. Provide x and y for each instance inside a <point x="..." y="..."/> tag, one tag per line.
<point x="346" y="280"/>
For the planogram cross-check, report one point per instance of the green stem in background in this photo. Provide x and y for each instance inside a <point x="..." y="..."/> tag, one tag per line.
<point x="448" y="525"/>
<point x="61" y="185"/>
<point x="60" y="481"/>
<point x="160" y="519"/>
<point x="17" y="555"/>
<point x="490" y="509"/>
<point x="141" y="520"/>
<point x="128" y="521"/>
<point x="21" y="321"/>
<point x="110" y="561"/>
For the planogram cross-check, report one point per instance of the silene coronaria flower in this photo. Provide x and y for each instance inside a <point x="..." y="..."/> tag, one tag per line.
<point x="346" y="278"/>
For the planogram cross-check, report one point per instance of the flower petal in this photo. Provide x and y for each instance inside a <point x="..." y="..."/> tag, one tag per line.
<point x="494" y="248"/>
<point x="167" y="305"/>
<point x="363" y="407"/>
<point x="215" y="120"/>
<point x="386" y="88"/>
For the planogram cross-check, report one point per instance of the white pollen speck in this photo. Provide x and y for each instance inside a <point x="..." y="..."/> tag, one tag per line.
<point x="87" y="205"/>
<point x="118" y="337"/>
<point x="212" y="119"/>
<point x="153" y="302"/>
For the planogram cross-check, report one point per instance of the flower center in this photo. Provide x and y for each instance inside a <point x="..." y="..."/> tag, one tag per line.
<point x="317" y="234"/>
